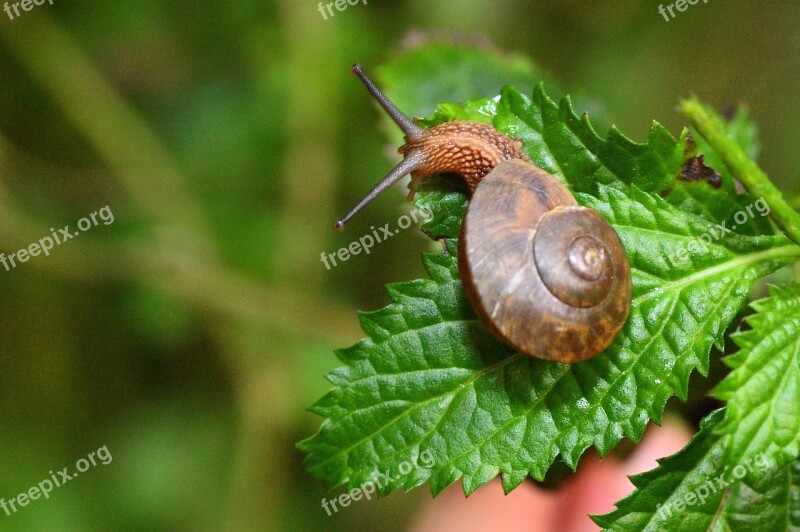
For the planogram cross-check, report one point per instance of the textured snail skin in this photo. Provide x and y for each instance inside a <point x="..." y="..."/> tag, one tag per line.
<point x="469" y="149"/>
<point x="547" y="276"/>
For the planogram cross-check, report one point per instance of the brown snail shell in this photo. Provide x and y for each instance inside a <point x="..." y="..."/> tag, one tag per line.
<point x="547" y="276"/>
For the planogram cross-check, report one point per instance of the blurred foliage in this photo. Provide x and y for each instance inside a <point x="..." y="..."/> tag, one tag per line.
<point x="190" y="335"/>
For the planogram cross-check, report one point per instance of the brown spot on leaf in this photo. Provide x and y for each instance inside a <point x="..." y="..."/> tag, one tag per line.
<point x="695" y="170"/>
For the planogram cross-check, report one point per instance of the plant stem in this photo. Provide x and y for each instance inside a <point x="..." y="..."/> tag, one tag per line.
<point x="743" y="167"/>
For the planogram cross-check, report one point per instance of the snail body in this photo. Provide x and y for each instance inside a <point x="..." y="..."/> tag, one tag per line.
<point x="545" y="275"/>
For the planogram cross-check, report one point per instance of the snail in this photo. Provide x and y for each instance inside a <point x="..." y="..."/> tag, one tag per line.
<point x="548" y="277"/>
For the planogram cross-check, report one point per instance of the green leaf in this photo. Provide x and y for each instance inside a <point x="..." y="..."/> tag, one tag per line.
<point x="447" y="199"/>
<point x="690" y="491"/>
<point x="567" y="146"/>
<point x="763" y="413"/>
<point x="430" y="378"/>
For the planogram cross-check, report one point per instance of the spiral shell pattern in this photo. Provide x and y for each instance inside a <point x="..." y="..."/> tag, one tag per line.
<point x="549" y="277"/>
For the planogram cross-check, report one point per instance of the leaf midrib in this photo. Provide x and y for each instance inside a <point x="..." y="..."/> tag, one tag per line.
<point x="742" y="261"/>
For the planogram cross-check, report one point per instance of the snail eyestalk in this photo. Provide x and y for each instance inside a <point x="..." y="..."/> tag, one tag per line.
<point x="411" y="162"/>
<point x="411" y="130"/>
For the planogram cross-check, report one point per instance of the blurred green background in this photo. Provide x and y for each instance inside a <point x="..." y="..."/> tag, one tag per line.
<point x="190" y="335"/>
